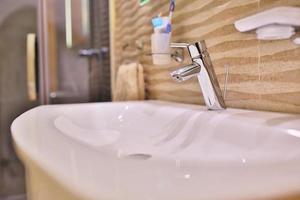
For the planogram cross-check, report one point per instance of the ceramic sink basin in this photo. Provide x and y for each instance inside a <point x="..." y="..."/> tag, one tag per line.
<point x="157" y="151"/>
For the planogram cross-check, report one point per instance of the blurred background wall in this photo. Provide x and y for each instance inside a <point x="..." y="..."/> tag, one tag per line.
<point x="17" y="19"/>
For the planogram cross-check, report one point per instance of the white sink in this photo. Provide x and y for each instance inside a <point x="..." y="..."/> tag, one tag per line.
<point x="159" y="151"/>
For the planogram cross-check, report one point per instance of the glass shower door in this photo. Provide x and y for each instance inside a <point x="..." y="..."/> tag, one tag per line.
<point x="64" y="30"/>
<point x="74" y="51"/>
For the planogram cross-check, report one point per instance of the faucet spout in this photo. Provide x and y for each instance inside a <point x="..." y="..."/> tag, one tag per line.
<point x="186" y="72"/>
<point x="202" y="68"/>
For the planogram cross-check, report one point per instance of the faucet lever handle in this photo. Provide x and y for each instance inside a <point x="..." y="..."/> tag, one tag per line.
<point x="179" y="45"/>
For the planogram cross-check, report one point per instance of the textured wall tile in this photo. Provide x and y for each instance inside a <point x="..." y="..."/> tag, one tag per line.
<point x="262" y="75"/>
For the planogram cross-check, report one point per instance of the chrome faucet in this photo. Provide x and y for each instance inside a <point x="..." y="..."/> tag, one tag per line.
<point x="202" y="68"/>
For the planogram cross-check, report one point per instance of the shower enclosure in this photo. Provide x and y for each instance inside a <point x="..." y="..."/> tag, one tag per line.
<point x="51" y="52"/>
<point x="74" y="51"/>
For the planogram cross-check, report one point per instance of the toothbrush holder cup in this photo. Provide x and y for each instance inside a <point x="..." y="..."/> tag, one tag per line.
<point x="161" y="50"/>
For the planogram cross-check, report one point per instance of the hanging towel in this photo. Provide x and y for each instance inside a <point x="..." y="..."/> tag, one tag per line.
<point x="130" y="84"/>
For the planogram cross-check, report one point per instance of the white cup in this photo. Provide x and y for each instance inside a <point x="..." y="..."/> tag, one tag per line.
<point x="160" y="44"/>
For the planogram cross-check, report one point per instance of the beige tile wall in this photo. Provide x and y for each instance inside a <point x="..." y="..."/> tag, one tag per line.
<point x="262" y="75"/>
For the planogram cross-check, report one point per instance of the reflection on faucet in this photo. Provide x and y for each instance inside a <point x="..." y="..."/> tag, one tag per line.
<point x="202" y="68"/>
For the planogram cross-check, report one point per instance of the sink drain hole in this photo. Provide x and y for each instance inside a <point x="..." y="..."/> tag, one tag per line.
<point x="139" y="156"/>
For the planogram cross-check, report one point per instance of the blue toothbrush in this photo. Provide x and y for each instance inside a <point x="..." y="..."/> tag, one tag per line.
<point x="157" y="21"/>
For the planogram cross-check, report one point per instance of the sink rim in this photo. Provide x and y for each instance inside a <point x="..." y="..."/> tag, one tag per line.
<point x="168" y="104"/>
